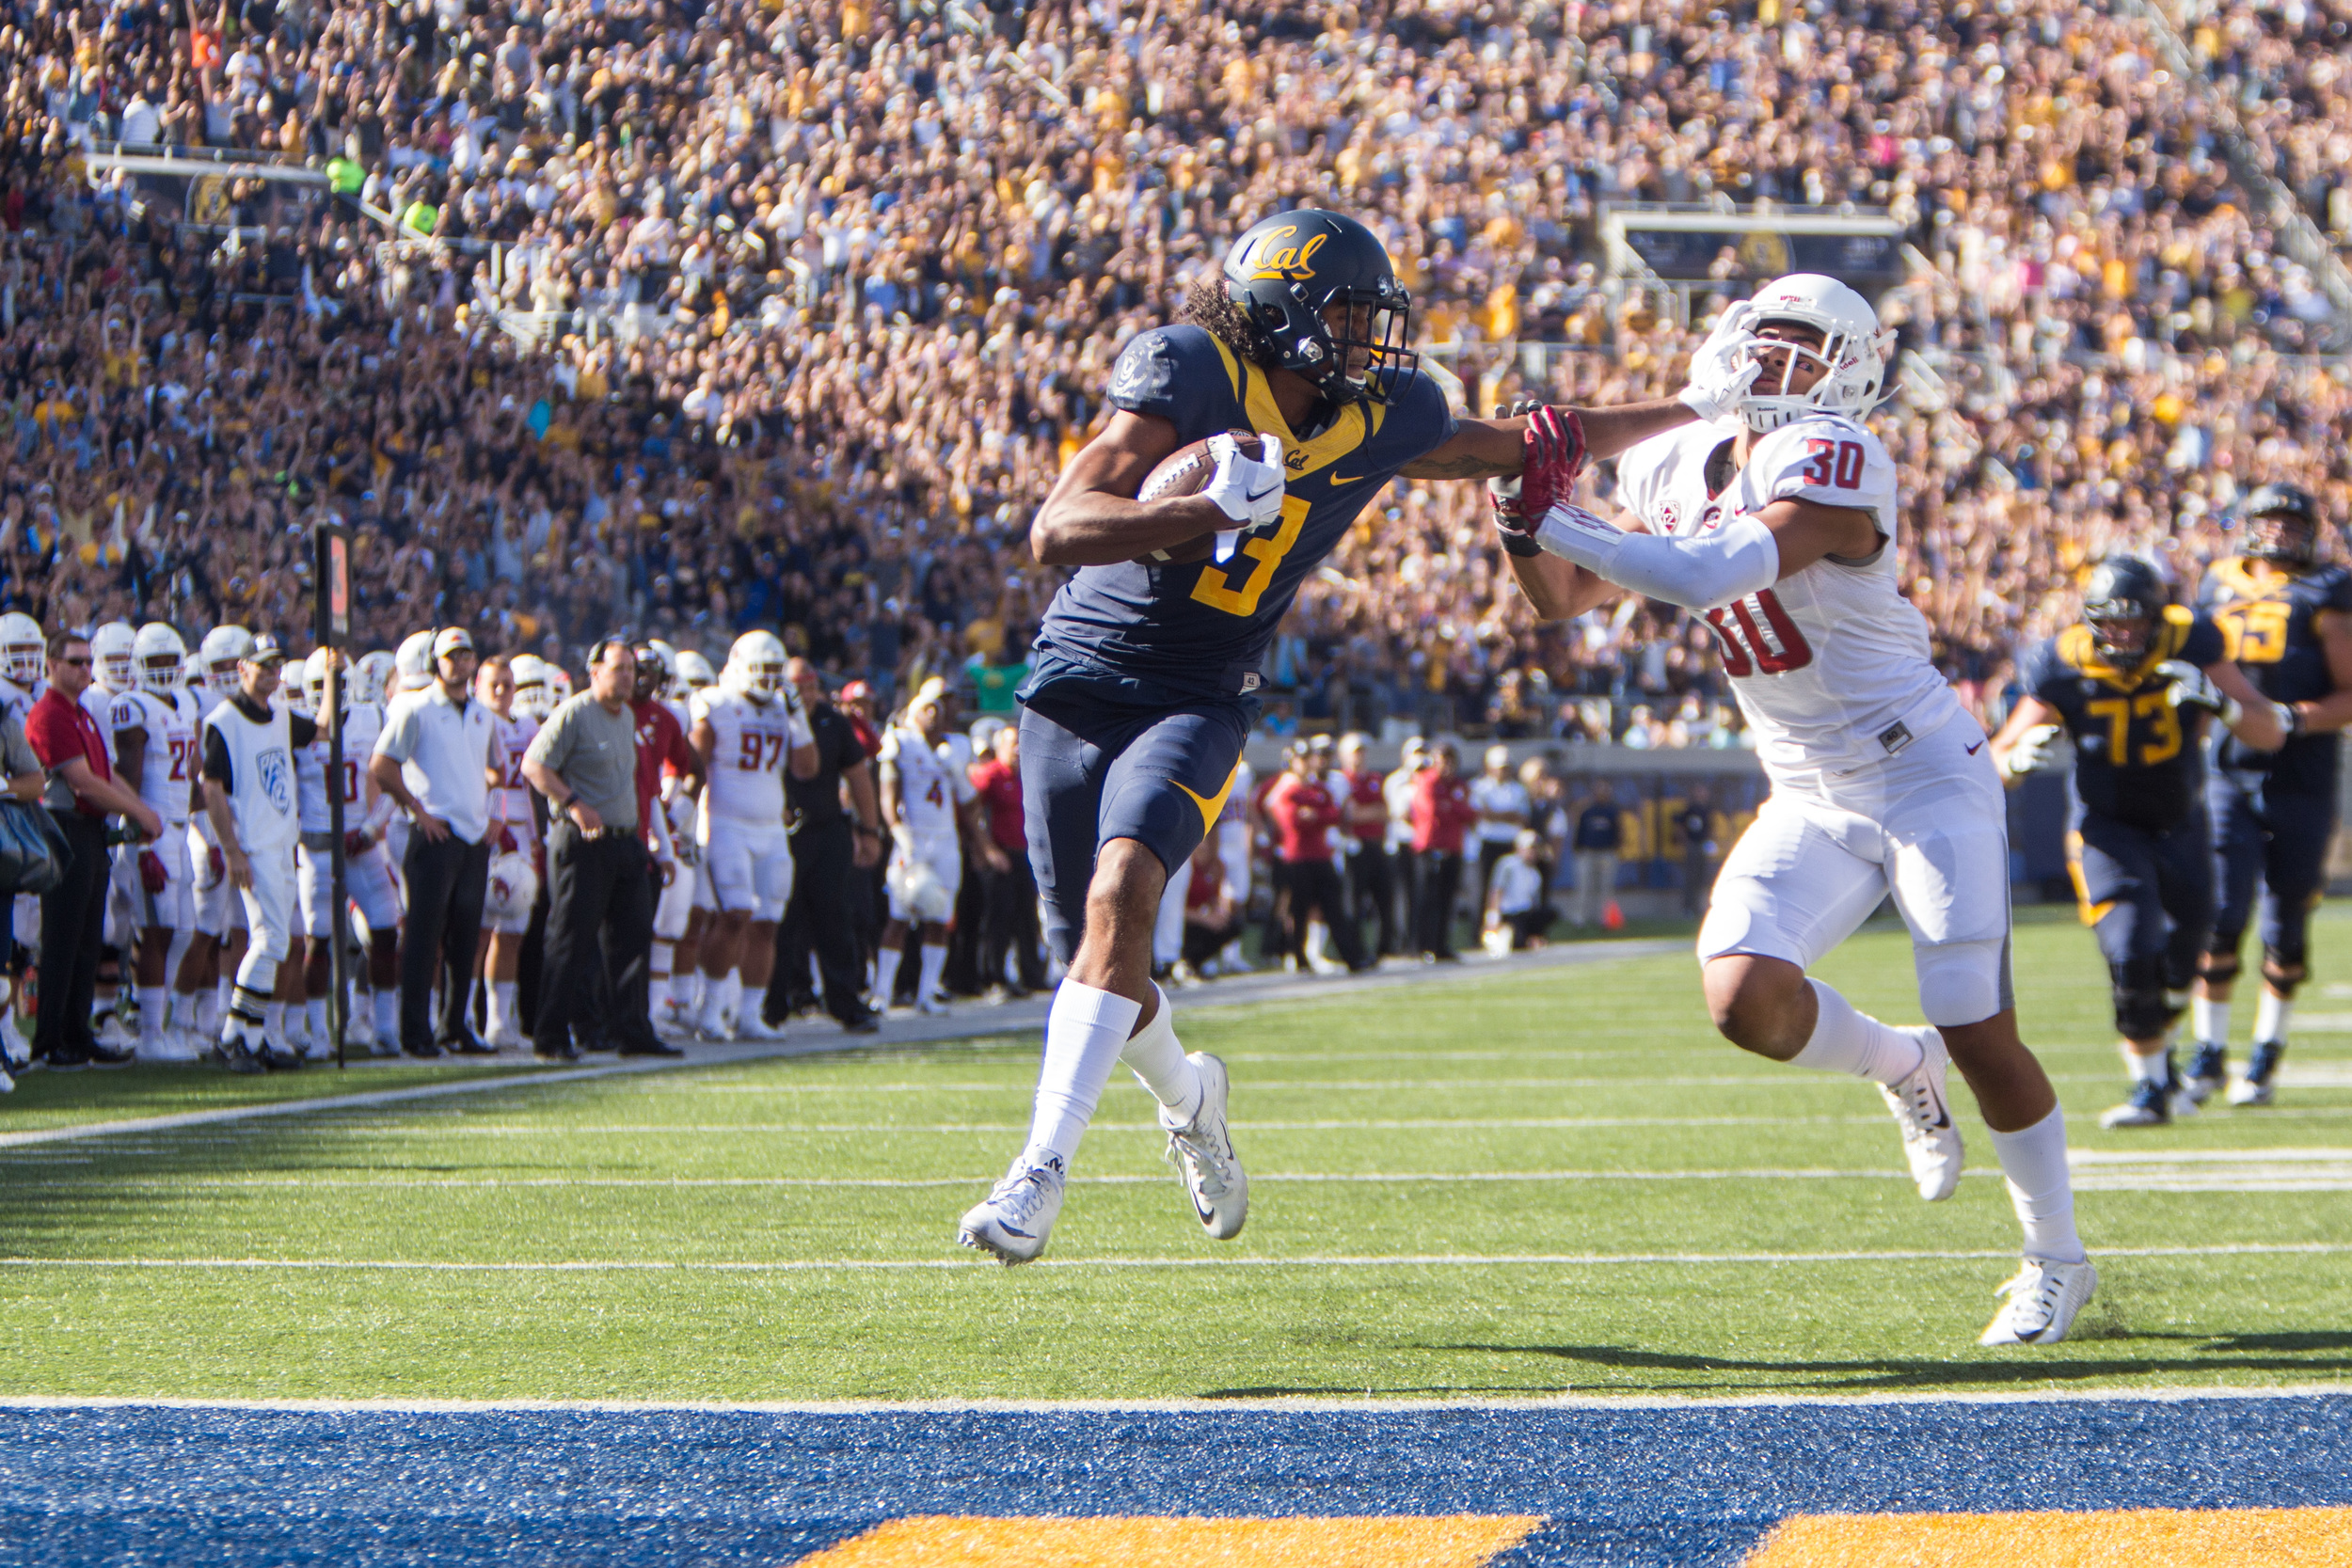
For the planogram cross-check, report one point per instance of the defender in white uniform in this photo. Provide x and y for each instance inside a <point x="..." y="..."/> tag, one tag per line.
<point x="930" y="806"/>
<point x="111" y="658"/>
<point x="1776" y="518"/>
<point x="367" y="869"/>
<point x="155" y="749"/>
<point x="250" y="794"/>
<point x="746" y="730"/>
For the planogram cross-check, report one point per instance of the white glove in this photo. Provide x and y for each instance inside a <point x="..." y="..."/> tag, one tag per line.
<point x="2192" y="688"/>
<point x="1722" y="369"/>
<point x="2032" y="752"/>
<point x="1247" y="489"/>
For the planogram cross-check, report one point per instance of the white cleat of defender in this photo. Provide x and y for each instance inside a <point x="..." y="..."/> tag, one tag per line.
<point x="1202" y="1150"/>
<point x="754" y="1027"/>
<point x="2044" y="1298"/>
<point x="1013" y="1221"/>
<point x="1930" y="1139"/>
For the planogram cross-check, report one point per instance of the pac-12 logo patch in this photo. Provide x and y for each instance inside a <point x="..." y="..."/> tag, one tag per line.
<point x="276" y="769"/>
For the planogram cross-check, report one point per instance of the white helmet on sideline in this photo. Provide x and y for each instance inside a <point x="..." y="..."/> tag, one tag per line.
<point x="24" y="652"/>
<point x="222" y="650"/>
<point x="413" y="665"/>
<point x="693" y="673"/>
<point x="114" y="647"/>
<point x="369" y="677"/>
<point x="157" y="657"/>
<point x="315" y="683"/>
<point x="532" y="699"/>
<point x="513" y="887"/>
<point x="1851" y="354"/>
<point x="755" y="664"/>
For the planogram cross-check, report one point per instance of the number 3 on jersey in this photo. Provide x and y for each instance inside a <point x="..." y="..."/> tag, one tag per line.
<point x="1214" y="586"/>
<point x="1757" y="633"/>
<point x="1836" y="464"/>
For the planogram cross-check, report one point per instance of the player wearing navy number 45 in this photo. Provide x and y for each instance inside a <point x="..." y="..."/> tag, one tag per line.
<point x="1145" y="670"/>
<point x="2131" y="683"/>
<point x="1775" y="519"/>
<point x="2287" y="621"/>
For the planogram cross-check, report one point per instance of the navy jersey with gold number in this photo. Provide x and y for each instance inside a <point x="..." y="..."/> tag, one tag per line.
<point x="2136" y="755"/>
<point x="2268" y="626"/>
<point x="1177" y="631"/>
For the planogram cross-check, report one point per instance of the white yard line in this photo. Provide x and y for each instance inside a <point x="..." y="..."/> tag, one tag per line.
<point x="1402" y="1260"/>
<point x="1302" y="1405"/>
<point x="971" y="1022"/>
<point x="982" y="1178"/>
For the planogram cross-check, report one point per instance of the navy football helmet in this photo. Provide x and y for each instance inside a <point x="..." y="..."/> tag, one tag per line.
<point x="2282" y="527"/>
<point x="1287" y="270"/>
<point x="2122" y="600"/>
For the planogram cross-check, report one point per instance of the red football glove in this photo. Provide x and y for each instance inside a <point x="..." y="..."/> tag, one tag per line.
<point x="212" y="859"/>
<point x="1551" y="455"/>
<point x="507" y="840"/>
<point x="152" y="877"/>
<point x="356" y="842"/>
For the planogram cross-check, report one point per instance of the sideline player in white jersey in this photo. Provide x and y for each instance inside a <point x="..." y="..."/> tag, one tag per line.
<point x="24" y="663"/>
<point x="367" y="870"/>
<point x="250" y="794"/>
<point x="112" y="678"/>
<point x="155" y="749"/>
<point x="518" y="861"/>
<point x="930" y="808"/>
<point x="204" y="978"/>
<point x="694" y="676"/>
<point x="1776" y="516"/>
<point x="747" y="729"/>
<point x="669" y="836"/>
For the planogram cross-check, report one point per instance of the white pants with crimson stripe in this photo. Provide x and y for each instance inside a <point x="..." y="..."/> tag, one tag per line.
<point x="269" y="915"/>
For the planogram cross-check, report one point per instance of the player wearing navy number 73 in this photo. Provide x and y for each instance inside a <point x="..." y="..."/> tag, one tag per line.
<point x="1777" y="522"/>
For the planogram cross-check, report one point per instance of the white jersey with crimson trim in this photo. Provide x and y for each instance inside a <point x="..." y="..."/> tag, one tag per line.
<point x="172" y="757"/>
<point x="362" y="724"/>
<point x="753" y="739"/>
<point x="1831" y="665"/>
<point x="510" y="802"/>
<point x="930" y="786"/>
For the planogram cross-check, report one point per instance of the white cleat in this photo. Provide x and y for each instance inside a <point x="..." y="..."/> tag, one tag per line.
<point x="933" y="1006"/>
<point x="172" y="1045"/>
<point x="2044" y="1298"/>
<point x="755" y="1027"/>
<point x="506" y="1038"/>
<point x="7" y="1085"/>
<point x="1930" y="1140"/>
<point x="1203" y="1151"/>
<point x="1017" y="1215"/>
<point x="714" y="1026"/>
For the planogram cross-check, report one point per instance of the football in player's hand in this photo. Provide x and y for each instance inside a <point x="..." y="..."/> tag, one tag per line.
<point x="1184" y="472"/>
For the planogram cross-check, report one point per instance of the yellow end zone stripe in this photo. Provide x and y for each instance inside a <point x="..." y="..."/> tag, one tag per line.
<point x="1463" y="1541"/>
<point x="2122" y="1538"/>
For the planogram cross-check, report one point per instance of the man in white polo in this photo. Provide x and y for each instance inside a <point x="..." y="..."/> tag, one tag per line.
<point x="439" y="758"/>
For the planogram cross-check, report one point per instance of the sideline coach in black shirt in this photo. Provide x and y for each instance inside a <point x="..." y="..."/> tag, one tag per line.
<point x="584" y="761"/>
<point x="828" y="841"/>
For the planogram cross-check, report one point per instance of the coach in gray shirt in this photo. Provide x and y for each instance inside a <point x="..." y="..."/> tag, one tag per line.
<point x="584" y="761"/>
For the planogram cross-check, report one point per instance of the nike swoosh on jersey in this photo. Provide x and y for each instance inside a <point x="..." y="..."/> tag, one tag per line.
<point x="1978" y="747"/>
<point x="1338" y="480"/>
<point x="1210" y="807"/>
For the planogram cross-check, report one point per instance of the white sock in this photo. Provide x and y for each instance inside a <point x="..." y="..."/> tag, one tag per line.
<point x="2271" y="1016"/>
<point x="2039" y="1189"/>
<point x="154" y="1002"/>
<point x="714" y="999"/>
<point x="1844" y="1040"/>
<point x="316" y="1008"/>
<point x="501" y="1006"/>
<point x="388" y="1016"/>
<point x="657" y="993"/>
<point x="2210" y="1018"/>
<point x="886" y="976"/>
<point x="693" y="990"/>
<point x="222" y="990"/>
<point x="205" y="1005"/>
<point x="274" y="1020"/>
<point x="754" y="1006"/>
<point x="1085" y="1029"/>
<point x="934" y="961"/>
<point x="2144" y="1069"/>
<point x="663" y="960"/>
<point x="1160" y="1065"/>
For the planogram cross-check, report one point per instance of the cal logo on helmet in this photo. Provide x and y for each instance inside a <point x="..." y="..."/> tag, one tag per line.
<point x="1275" y="259"/>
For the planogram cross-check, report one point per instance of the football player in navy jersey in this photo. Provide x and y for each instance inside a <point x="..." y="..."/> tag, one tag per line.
<point x="1145" y="669"/>
<point x="2130" y="684"/>
<point x="2287" y="621"/>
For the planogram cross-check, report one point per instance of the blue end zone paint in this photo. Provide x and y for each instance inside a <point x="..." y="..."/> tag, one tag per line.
<point x="184" y="1485"/>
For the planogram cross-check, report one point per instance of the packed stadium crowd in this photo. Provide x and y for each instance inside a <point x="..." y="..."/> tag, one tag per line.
<point x="822" y="296"/>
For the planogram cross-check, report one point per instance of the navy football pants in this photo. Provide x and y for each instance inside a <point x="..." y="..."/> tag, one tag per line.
<point x="1094" y="771"/>
<point x="2148" y="896"/>
<point x="2279" y="841"/>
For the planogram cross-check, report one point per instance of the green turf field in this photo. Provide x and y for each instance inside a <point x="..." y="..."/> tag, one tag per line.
<point x="1541" y="1129"/>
